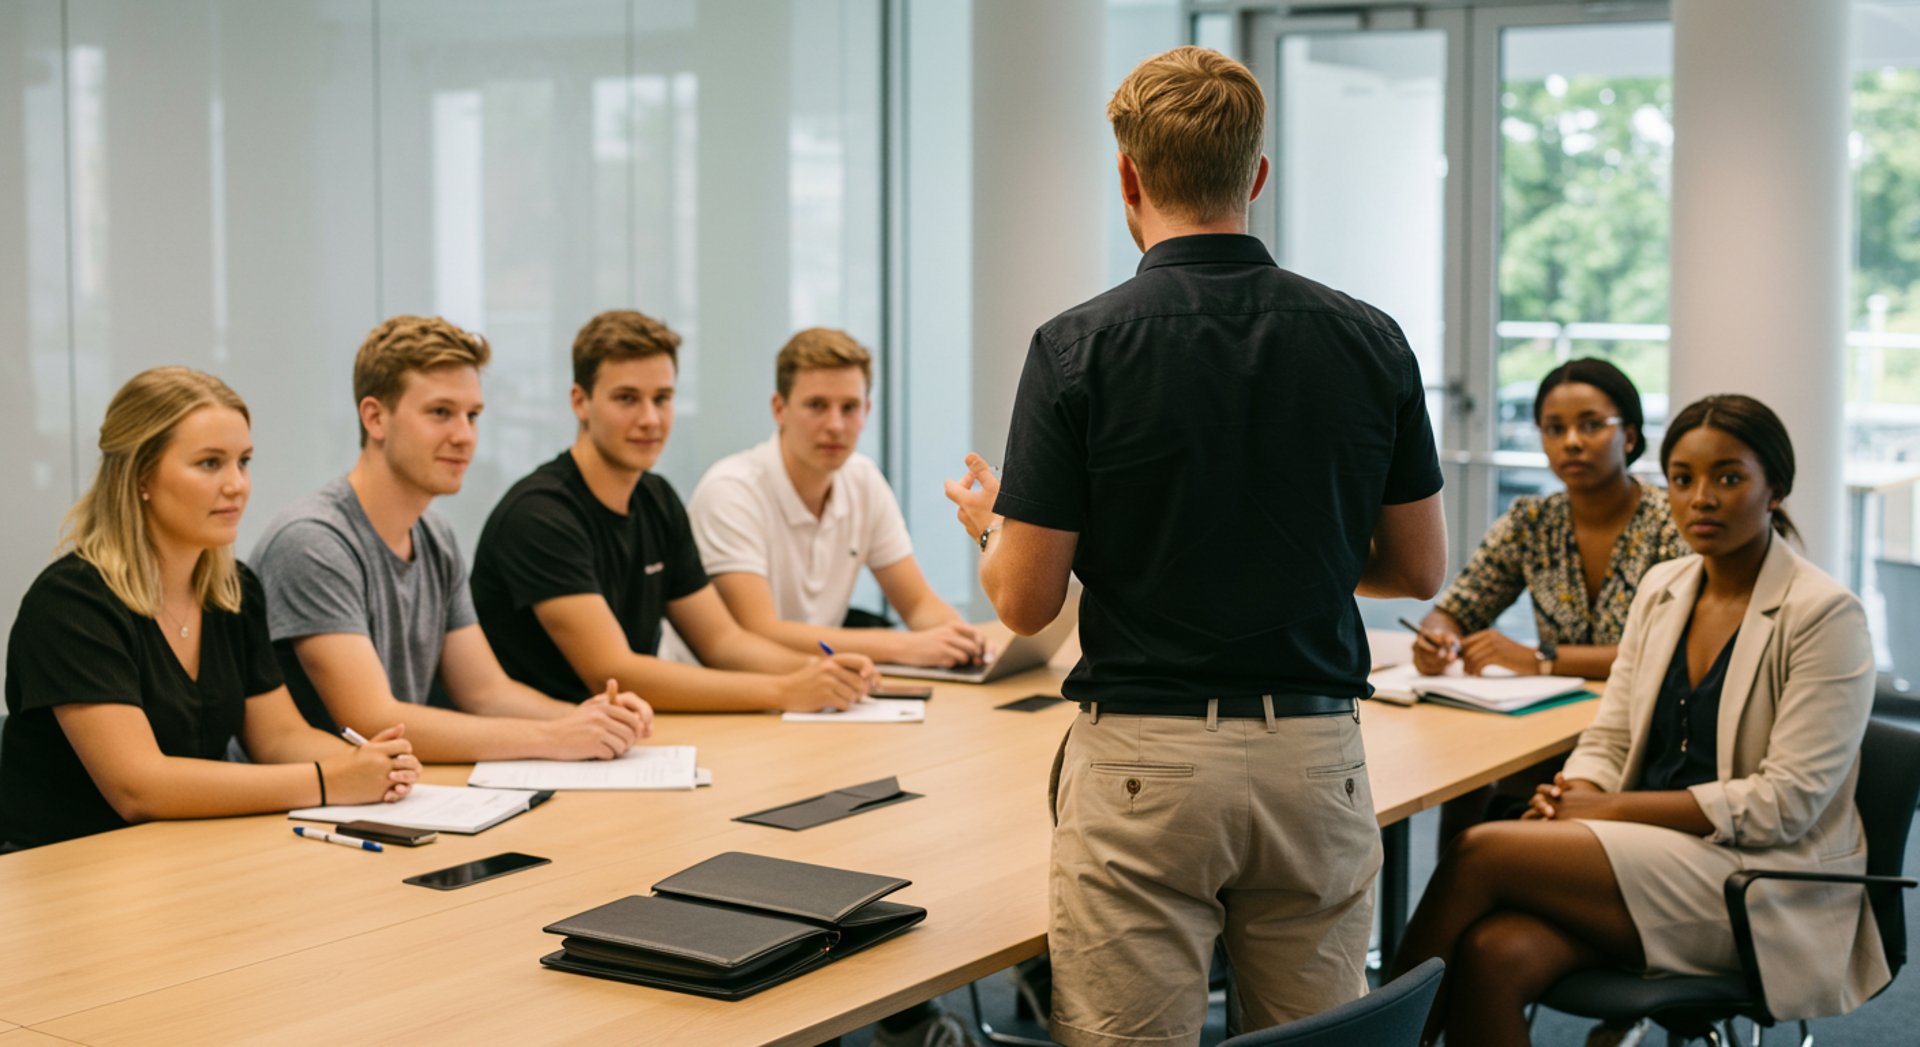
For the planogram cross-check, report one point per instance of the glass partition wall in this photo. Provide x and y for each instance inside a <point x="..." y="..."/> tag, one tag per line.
<point x="1497" y="180"/>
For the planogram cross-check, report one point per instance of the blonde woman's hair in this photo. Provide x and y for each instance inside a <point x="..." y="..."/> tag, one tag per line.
<point x="107" y="527"/>
<point x="816" y="349"/>
<point x="1192" y="120"/>
<point x="404" y="344"/>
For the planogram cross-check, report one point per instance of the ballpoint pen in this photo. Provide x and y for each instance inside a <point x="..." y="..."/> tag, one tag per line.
<point x="1429" y="637"/>
<point x="326" y="837"/>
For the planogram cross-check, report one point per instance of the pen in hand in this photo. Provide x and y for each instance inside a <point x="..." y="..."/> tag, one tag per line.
<point x="353" y="737"/>
<point x="828" y="651"/>
<point x="1437" y="644"/>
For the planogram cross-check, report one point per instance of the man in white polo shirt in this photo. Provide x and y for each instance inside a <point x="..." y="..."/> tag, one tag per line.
<point x="785" y="527"/>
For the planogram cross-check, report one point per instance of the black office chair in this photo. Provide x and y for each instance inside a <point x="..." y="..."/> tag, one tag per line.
<point x="1390" y="1016"/>
<point x="1691" y="1007"/>
<point x="1897" y="691"/>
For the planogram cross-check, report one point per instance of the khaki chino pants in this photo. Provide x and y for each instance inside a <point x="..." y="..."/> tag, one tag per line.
<point x="1171" y="832"/>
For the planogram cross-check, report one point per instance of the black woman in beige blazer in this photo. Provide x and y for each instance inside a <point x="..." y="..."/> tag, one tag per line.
<point x="1728" y="738"/>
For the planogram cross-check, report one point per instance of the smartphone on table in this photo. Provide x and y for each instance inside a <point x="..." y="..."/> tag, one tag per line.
<point x="455" y="877"/>
<point x="889" y="689"/>
<point x="381" y="832"/>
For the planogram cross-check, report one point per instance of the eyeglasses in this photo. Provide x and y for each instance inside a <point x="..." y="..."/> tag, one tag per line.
<point x="1588" y="428"/>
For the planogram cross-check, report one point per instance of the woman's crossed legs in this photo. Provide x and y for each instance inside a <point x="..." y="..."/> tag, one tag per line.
<point x="1514" y="907"/>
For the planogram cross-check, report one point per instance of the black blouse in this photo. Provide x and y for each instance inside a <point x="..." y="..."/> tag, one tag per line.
<point x="75" y="642"/>
<point x="1684" y="735"/>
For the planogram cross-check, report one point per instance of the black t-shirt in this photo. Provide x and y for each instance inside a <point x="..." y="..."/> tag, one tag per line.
<point x="74" y="642"/>
<point x="1222" y="434"/>
<point x="551" y="537"/>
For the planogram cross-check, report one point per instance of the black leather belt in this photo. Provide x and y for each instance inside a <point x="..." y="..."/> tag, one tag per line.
<point x="1230" y="708"/>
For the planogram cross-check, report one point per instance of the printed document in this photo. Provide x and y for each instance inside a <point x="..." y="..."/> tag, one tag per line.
<point x="641" y="767"/>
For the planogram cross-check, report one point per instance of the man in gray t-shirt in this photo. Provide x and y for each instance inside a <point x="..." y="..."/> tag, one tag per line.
<point x="327" y="571"/>
<point x="367" y="595"/>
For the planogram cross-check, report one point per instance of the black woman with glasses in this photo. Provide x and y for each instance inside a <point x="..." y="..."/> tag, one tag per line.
<point x="1579" y="552"/>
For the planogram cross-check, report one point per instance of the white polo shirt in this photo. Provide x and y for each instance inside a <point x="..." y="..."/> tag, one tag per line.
<point x="747" y="517"/>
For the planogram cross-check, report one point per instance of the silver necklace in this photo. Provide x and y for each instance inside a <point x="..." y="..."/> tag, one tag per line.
<point x="171" y="621"/>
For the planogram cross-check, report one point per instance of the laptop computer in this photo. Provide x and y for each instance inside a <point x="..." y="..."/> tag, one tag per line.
<point x="1023" y="653"/>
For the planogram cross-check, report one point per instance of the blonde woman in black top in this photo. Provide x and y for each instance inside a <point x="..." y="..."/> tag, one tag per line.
<point x="142" y="650"/>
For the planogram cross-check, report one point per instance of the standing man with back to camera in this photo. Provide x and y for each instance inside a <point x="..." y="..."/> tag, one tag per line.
<point x="1226" y="453"/>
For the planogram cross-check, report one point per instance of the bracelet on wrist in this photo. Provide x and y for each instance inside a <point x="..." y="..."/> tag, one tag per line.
<point x="322" y="778"/>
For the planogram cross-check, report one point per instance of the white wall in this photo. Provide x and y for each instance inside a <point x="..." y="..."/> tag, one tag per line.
<point x="247" y="188"/>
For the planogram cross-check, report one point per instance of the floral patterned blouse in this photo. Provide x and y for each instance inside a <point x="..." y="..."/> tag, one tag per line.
<point x="1533" y="547"/>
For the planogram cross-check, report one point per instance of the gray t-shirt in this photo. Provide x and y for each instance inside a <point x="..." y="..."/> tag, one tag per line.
<point x="327" y="571"/>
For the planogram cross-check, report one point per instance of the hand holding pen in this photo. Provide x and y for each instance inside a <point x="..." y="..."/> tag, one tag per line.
<point x="385" y="760"/>
<point x="1433" y="651"/>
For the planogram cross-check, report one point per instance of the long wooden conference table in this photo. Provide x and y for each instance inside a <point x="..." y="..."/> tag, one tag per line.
<point x="235" y="931"/>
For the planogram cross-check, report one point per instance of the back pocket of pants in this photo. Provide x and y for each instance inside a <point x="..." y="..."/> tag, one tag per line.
<point x="1349" y="780"/>
<point x="1338" y="770"/>
<point x="1142" y="787"/>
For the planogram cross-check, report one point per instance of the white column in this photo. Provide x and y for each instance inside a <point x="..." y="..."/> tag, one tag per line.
<point x="1009" y="180"/>
<point x="1760" y="200"/>
<point x="1043" y="183"/>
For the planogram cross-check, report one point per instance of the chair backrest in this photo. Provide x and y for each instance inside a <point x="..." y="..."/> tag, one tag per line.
<point x="1888" y="790"/>
<point x="1899" y="583"/>
<point x="1391" y="1016"/>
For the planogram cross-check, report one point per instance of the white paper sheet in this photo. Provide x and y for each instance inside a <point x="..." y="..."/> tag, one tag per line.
<point x="443" y="808"/>
<point x="641" y="767"/>
<point x="868" y="710"/>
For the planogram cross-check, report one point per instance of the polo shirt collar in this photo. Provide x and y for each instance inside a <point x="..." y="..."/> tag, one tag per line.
<point x="1205" y="249"/>
<point x="792" y="509"/>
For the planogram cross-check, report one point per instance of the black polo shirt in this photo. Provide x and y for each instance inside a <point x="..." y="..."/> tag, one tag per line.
<point x="1222" y="434"/>
<point x="550" y="537"/>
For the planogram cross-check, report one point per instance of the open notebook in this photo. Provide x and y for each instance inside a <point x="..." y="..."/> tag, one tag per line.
<point x="1495" y="692"/>
<point x="441" y="808"/>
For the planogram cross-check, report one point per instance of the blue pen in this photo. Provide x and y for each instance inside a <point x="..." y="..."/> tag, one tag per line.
<point x="824" y="647"/>
<point x="326" y="837"/>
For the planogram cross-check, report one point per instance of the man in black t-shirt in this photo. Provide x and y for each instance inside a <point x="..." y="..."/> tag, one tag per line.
<point x="582" y="557"/>
<point x="367" y="590"/>
<point x="1225" y="453"/>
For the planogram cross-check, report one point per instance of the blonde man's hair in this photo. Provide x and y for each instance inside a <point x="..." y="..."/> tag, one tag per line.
<point x="107" y="527"/>
<point x="620" y="334"/>
<point x="1192" y="119"/>
<point x="819" y="349"/>
<point x="403" y="345"/>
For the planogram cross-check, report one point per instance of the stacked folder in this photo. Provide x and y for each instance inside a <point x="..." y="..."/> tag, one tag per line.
<point x="733" y="925"/>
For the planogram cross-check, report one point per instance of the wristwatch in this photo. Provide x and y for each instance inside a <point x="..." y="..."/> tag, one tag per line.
<point x="984" y="535"/>
<point x="1543" y="662"/>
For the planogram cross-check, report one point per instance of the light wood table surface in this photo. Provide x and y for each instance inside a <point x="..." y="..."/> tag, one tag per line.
<point x="235" y="931"/>
<point x="11" y="1036"/>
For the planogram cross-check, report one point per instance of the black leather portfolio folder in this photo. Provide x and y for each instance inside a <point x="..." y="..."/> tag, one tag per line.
<point x="733" y="925"/>
<point x="833" y="806"/>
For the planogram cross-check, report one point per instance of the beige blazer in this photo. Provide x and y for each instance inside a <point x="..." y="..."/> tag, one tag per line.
<point x="1798" y="689"/>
